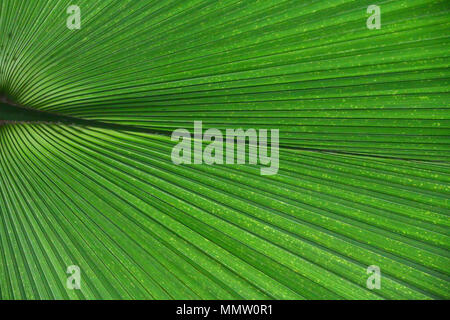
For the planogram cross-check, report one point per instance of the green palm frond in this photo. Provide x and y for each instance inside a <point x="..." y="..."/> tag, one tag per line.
<point x="86" y="176"/>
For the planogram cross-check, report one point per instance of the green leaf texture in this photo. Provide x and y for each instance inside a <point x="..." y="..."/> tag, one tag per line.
<point x="364" y="175"/>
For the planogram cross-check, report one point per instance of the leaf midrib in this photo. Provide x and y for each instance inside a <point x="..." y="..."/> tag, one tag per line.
<point x="11" y="112"/>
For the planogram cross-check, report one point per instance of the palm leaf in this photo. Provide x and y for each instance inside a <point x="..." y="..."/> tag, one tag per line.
<point x="86" y="176"/>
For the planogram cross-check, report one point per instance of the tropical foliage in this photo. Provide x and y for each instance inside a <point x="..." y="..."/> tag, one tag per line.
<point x="86" y="176"/>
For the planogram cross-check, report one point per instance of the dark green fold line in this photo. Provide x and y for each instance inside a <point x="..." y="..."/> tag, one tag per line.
<point x="13" y="113"/>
